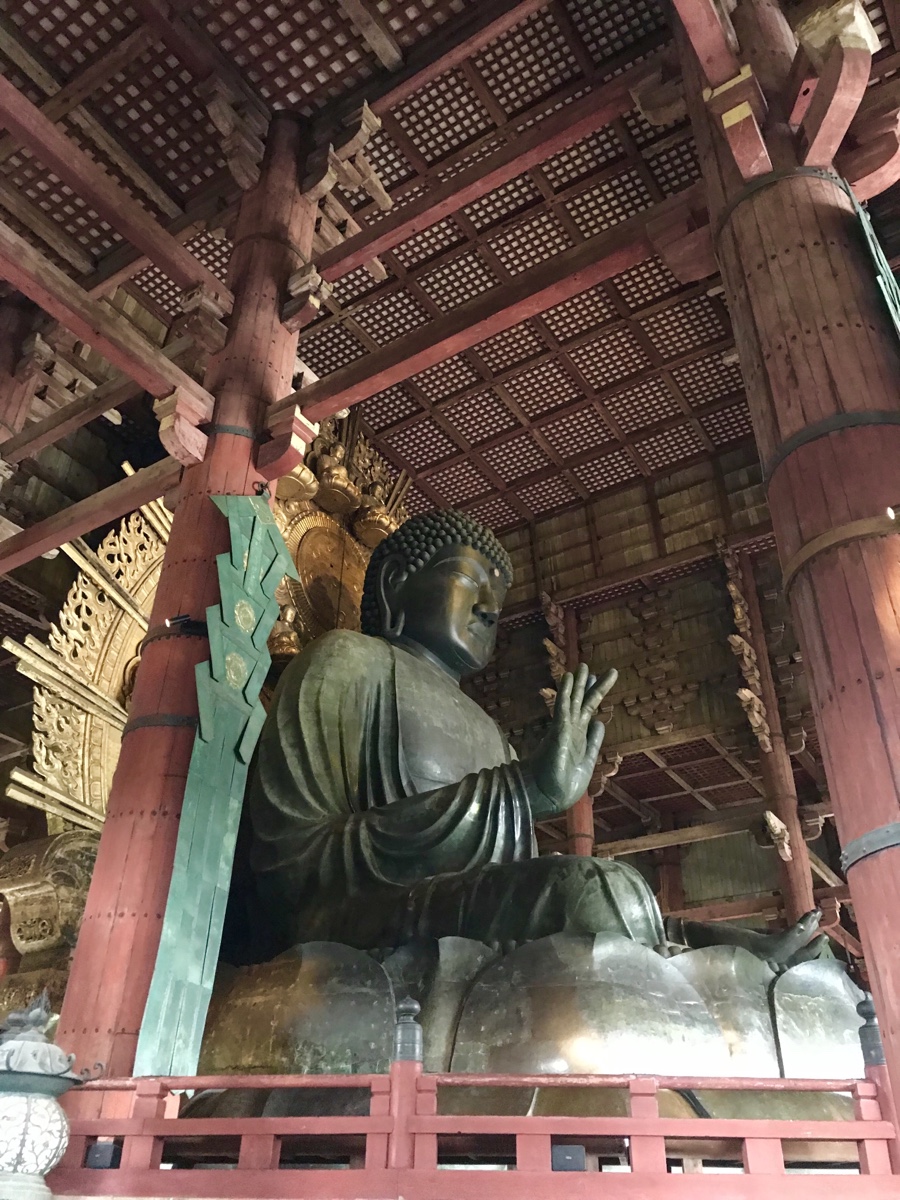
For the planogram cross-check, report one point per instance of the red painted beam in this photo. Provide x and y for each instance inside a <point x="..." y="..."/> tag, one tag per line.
<point x="489" y="28"/>
<point x="533" y="292"/>
<point x="107" y="332"/>
<point x="571" y="124"/>
<point x="50" y="146"/>
<point x="704" y="28"/>
<point x="108" y="505"/>
<point x="838" y="94"/>
<point x="66" y="420"/>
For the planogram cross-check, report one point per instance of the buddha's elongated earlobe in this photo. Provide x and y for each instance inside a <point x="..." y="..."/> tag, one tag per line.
<point x="391" y="578"/>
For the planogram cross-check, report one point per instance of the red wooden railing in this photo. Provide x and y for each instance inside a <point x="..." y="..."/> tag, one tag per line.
<point x="399" y="1149"/>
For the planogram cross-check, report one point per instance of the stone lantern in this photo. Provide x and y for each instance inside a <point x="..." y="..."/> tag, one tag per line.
<point x="34" y="1131"/>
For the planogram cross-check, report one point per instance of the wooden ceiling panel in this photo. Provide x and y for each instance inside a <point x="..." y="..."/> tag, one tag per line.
<point x="548" y="495"/>
<point x="542" y="389"/>
<point x="460" y="484"/>
<point x="71" y="34"/>
<point x="728" y="425"/>
<point x="294" y="55"/>
<point x="496" y="513"/>
<point x="609" y="358"/>
<point x="533" y="60"/>
<point x="610" y="471"/>
<point x="443" y="118"/>
<point x="516" y="457"/>
<point x="480" y="417"/>
<point x="154" y="107"/>
<point x="613" y="26"/>
<point x="459" y="280"/>
<point x="391" y="316"/>
<point x="446" y="379"/>
<point x="610" y="202"/>
<point x="389" y="407"/>
<point x="682" y="327"/>
<point x="645" y="404"/>
<point x="47" y="193"/>
<point x="710" y="377"/>
<point x="578" y="432"/>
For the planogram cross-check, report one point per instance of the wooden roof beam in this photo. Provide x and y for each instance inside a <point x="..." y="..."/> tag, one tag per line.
<point x="101" y="399"/>
<point x="42" y="73"/>
<point x="110" y="504"/>
<point x="444" y="52"/>
<point x="81" y="86"/>
<point x="530" y="148"/>
<point x="534" y="291"/>
<point x="27" y="123"/>
<point x="107" y="332"/>
<point x="375" y="32"/>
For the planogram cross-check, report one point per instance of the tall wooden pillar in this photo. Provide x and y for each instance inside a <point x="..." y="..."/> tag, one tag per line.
<point x="120" y="933"/>
<point x="821" y="363"/>
<point x="775" y="765"/>
<point x="580" y="835"/>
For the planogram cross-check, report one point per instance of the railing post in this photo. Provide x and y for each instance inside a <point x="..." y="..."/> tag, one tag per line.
<point x="876" y="1073"/>
<point x="405" y="1071"/>
<point x="151" y="1100"/>
<point x="648" y="1152"/>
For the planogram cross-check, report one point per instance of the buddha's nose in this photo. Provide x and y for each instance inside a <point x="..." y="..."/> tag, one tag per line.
<point x="488" y="614"/>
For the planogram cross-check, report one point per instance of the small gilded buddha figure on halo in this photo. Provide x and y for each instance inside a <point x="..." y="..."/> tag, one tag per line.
<point x="387" y="806"/>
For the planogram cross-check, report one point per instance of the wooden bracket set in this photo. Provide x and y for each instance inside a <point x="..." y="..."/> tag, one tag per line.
<point x="290" y="434"/>
<point x="179" y="415"/>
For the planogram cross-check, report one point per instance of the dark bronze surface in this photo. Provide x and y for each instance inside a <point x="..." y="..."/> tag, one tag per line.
<point x="386" y="805"/>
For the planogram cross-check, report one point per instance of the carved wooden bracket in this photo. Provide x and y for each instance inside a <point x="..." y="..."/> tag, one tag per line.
<point x="290" y="434"/>
<point x="308" y="292"/>
<point x="179" y="414"/>
<point x="242" y="129"/>
<point x="204" y="311"/>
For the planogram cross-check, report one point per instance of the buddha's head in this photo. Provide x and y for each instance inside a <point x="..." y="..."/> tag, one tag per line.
<point x="437" y="584"/>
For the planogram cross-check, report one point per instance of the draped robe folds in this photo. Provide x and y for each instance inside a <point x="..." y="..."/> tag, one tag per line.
<point x="386" y="805"/>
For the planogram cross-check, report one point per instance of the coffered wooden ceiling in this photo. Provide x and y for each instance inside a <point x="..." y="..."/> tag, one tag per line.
<point x="624" y="381"/>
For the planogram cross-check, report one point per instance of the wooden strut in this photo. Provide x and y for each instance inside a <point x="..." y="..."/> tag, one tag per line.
<point x="187" y="404"/>
<point x="105" y="196"/>
<point x="113" y="502"/>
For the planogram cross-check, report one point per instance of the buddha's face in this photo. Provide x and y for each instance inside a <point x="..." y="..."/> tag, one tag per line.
<point x="450" y="607"/>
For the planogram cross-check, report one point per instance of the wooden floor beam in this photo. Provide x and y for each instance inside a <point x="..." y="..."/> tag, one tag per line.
<point x="108" y="505"/>
<point x="49" y="144"/>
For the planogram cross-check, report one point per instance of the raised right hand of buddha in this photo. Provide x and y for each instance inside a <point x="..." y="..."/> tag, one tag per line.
<point x="563" y="763"/>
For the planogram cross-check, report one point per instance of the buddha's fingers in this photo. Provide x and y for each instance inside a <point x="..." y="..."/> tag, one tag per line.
<point x="578" y="687"/>
<point x="597" y="691"/>
<point x="596" y="734"/>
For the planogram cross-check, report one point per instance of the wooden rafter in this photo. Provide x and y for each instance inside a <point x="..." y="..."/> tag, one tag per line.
<point x="555" y="133"/>
<point x="534" y="291"/>
<point x="81" y="86"/>
<point x="41" y="73"/>
<point x="113" y="502"/>
<point x="104" y="330"/>
<point x="375" y="32"/>
<point x="26" y="122"/>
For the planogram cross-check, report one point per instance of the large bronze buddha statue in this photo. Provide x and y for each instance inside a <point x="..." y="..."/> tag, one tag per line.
<point x="387" y="807"/>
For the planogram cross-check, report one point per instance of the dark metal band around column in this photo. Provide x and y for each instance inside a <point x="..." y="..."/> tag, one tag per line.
<point x="873" y="842"/>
